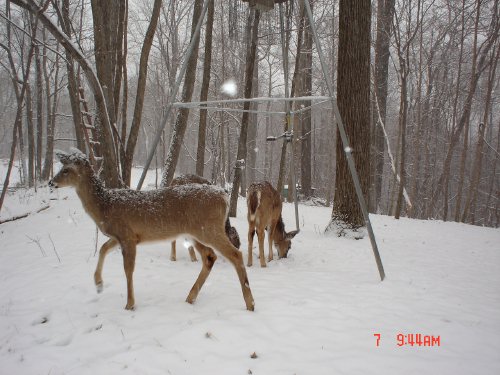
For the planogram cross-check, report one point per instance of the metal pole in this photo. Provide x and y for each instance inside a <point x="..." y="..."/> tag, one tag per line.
<point x="289" y="114"/>
<point x="173" y="94"/>
<point x="292" y="172"/>
<point x="345" y="142"/>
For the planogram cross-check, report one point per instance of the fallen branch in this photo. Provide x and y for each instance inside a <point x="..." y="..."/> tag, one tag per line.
<point x="14" y="218"/>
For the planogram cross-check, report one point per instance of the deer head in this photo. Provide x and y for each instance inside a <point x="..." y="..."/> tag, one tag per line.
<point x="283" y="239"/>
<point x="75" y="164"/>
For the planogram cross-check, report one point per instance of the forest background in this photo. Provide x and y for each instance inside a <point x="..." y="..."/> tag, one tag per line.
<point x="99" y="76"/>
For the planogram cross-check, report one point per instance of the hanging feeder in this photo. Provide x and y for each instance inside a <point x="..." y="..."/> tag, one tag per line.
<point x="263" y="5"/>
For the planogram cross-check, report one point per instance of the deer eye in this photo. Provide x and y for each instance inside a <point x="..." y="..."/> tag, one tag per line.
<point x="65" y="171"/>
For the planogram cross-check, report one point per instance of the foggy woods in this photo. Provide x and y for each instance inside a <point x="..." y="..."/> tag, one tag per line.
<point x="101" y="76"/>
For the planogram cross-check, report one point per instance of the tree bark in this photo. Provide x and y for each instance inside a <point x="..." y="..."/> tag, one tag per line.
<point x="353" y="91"/>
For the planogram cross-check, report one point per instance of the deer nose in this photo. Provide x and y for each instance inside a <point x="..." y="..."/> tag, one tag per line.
<point x="52" y="184"/>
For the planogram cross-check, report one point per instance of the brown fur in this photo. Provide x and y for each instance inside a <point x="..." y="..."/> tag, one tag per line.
<point x="129" y="217"/>
<point x="231" y="232"/>
<point x="264" y="213"/>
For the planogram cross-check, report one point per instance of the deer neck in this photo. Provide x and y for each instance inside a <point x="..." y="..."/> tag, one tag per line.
<point x="279" y="231"/>
<point x="92" y="194"/>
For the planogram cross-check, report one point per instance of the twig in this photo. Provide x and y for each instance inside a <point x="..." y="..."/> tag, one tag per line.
<point x="37" y="241"/>
<point x="54" y="247"/>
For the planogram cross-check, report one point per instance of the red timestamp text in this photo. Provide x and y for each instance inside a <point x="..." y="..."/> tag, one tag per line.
<point x="412" y="339"/>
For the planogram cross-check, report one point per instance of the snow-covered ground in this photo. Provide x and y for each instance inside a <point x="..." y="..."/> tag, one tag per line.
<point x="317" y="312"/>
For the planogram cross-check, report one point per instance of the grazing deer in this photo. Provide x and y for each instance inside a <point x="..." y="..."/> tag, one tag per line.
<point x="129" y="217"/>
<point x="231" y="232"/>
<point x="264" y="212"/>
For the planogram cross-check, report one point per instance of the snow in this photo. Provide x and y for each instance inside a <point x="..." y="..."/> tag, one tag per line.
<point x="317" y="312"/>
<point x="229" y="87"/>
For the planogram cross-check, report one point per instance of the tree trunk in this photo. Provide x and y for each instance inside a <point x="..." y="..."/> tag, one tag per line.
<point x="252" y="134"/>
<point x="141" y="88"/>
<point x="51" y="119"/>
<point x="31" y="136"/>
<point x="183" y="113"/>
<point x="73" y="91"/>
<point x="39" y="114"/>
<point x="207" y="66"/>
<point x="385" y="14"/>
<point x="242" y="143"/>
<point x="353" y="92"/>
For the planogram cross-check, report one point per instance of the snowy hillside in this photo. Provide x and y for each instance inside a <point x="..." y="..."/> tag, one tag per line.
<point x="317" y="312"/>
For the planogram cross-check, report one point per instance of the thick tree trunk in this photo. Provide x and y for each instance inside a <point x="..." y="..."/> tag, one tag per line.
<point x="353" y="92"/>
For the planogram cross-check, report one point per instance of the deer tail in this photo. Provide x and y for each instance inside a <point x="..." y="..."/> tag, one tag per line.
<point x="253" y="203"/>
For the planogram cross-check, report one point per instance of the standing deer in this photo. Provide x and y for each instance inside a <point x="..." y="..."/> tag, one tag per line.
<point x="129" y="217"/>
<point x="231" y="232"/>
<point x="264" y="213"/>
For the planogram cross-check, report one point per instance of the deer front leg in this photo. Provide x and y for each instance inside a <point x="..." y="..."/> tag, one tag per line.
<point x="270" y="236"/>
<point x="105" y="248"/>
<point x="173" y="252"/>
<point x="260" y="236"/>
<point x="128" y="252"/>
<point x="208" y="259"/>
<point x="251" y="233"/>
<point x="232" y="254"/>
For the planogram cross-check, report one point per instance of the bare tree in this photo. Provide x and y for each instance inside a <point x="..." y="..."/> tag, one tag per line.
<point x="242" y="144"/>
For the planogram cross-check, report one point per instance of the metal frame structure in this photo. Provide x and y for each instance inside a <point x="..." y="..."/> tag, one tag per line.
<point x="287" y="112"/>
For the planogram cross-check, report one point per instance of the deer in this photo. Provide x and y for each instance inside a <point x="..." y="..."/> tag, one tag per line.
<point x="231" y="231"/>
<point x="264" y="213"/>
<point x="130" y="217"/>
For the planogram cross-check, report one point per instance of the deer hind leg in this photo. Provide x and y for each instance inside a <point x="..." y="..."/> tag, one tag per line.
<point x="232" y="254"/>
<point x="260" y="236"/>
<point x="251" y="233"/>
<point x="173" y="252"/>
<point x="208" y="258"/>
<point x="128" y="252"/>
<point x="105" y="248"/>
<point x="192" y="255"/>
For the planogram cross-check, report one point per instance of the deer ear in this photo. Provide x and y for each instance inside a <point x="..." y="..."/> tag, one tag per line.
<point x="62" y="157"/>
<point x="291" y="234"/>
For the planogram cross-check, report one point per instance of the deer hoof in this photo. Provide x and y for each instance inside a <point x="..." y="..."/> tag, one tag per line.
<point x="99" y="287"/>
<point x="130" y="306"/>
